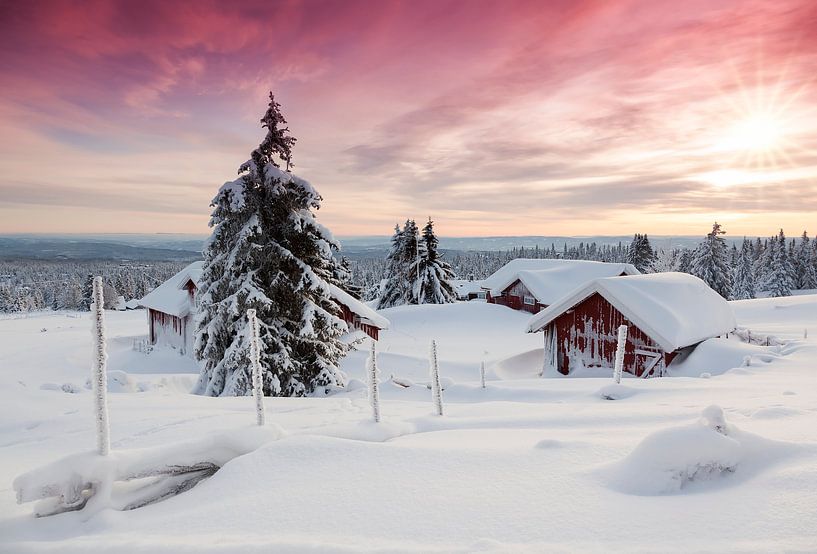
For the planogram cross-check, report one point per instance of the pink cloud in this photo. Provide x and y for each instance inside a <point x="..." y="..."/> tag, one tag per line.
<point x="406" y="103"/>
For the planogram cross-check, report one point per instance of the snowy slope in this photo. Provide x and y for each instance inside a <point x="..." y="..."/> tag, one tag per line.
<point x="525" y="464"/>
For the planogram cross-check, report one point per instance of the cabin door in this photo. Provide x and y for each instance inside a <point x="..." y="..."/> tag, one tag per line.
<point x="649" y="362"/>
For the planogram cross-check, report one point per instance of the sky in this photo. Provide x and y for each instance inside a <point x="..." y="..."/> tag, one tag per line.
<point x="494" y="118"/>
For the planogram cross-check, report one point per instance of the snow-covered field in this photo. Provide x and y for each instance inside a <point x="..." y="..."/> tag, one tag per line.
<point x="528" y="463"/>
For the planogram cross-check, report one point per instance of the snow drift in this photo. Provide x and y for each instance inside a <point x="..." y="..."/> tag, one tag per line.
<point x="676" y="459"/>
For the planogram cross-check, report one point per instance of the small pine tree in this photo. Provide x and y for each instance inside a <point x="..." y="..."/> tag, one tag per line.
<point x="640" y="254"/>
<point x="710" y="262"/>
<point x="87" y="294"/>
<point x="779" y="280"/>
<point x="743" y="285"/>
<point x="806" y="271"/>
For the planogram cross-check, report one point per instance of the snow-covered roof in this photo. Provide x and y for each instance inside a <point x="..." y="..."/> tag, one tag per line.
<point x="364" y="312"/>
<point x="550" y="280"/>
<point x="170" y="297"/>
<point x="464" y="287"/>
<point x="674" y="309"/>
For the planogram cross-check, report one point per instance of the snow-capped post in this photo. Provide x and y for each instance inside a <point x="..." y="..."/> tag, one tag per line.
<point x="436" y="387"/>
<point x="374" y="387"/>
<point x="255" y="358"/>
<point x="482" y="374"/>
<point x="622" y="344"/>
<point x="100" y="377"/>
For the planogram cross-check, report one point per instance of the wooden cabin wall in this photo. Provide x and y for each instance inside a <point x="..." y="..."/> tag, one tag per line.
<point x="589" y="332"/>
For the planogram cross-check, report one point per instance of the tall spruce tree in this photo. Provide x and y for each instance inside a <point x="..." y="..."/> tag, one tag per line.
<point x="433" y="285"/>
<point x="268" y="252"/>
<point x="710" y="262"/>
<point x="743" y="284"/>
<point x="778" y="280"/>
<point x="393" y="290"/>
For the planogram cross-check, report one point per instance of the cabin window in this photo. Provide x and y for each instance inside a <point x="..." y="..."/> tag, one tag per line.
<point x="481" y="295"/>
<point x="530" y="301"/>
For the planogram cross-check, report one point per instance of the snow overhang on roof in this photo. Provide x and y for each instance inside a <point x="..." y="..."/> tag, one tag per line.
<point x="550" y="280"/>
<point x="364" y="312"/>
<point x="170" y="297"/>
<point x="674" y="309"/>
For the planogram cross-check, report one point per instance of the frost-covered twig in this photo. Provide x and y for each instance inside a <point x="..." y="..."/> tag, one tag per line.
<point x="436" y="387"/>
<point x="482" y="374"/>
<point x="374" y="387"/>
<point x="620" y="347"/>
<point x="255" y="359"/>
<point x="100" y="377"/>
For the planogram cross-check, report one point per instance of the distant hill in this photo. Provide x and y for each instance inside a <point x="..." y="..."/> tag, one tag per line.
<point x="99" y="247"/>
<point x="179" y="247"/>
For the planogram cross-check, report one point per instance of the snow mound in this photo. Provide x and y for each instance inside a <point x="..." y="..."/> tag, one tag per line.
<point x="88" y="478"/>
<point x="680" y="458"/>
<point x="521" y="366"/>
<point x="615" y="391"/>
<point x="717" y="356"/>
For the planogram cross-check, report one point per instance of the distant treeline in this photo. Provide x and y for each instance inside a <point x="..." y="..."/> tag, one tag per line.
<point x="757" y="266"/>
<point x="27" y="285"/>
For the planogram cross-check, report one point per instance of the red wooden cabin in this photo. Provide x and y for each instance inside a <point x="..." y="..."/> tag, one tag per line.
<point x="665" y="314"/>
<point x="171" y="308"/>
<point x="534" y="284"/>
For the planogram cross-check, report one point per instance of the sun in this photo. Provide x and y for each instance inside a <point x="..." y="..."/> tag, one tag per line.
<point x="757" y="133"/>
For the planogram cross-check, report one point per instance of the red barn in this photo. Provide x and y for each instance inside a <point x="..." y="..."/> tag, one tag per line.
<point x="665" y="314"/>
<point x="534" y="284"/>
<point x="171" y="308"/>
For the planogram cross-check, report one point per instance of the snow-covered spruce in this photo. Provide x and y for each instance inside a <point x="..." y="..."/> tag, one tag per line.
<point x="268" y="252"/>
<point x="372" y="374"/>
<point x="100" y="377"/>
<point x="401" y="268"/>
<point x="436" y="387"/>
<point x="416" y="273"/>
<point x="779" y="280"/>
<point x="482" y="374"/>
<point x="434" y="275"/>
<point x="710" y="262"/>
<point x="255" y="357"/>
<point x="620" y="348"/>
<point x="640" y="254"/>
<point x="743" y="284"/>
